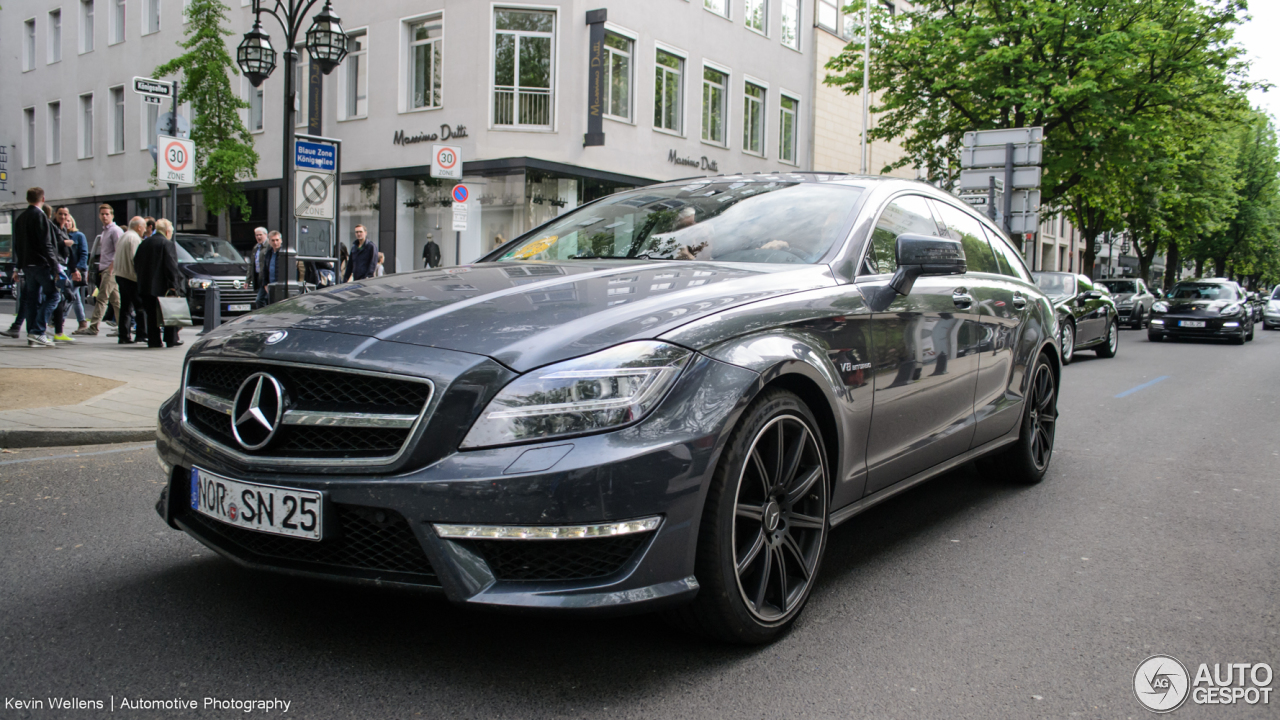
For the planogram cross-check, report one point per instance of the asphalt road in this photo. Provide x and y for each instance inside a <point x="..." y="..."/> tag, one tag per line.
<point x="1155" y="532"/>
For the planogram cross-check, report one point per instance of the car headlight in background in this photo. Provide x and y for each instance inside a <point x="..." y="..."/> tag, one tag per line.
<point x="1160" y="307"/>
<point x="601" y="391"/>
<point x="198" y="284"/>
<point x="1273" y="307"/>
<point x="1232" y="309"/>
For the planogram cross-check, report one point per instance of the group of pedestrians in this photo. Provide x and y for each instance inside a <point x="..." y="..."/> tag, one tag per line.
<point x="135" y="268"/>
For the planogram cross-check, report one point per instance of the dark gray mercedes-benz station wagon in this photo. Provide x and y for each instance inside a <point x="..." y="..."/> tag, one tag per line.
<point x="664" y="399"/>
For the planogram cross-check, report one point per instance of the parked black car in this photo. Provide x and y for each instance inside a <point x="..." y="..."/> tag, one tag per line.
<point x="206" y="260"/>
<point x="662" y="399"/>
<point x="1208" y="308"/>
<point x="1087" y="316"/>
<point x="1133" y="300"/>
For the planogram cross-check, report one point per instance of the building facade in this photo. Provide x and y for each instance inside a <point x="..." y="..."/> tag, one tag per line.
<point x="691" y="87"/>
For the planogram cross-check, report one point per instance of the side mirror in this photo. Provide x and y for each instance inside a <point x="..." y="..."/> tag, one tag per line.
<point x="920" y="255"/>
<point x="1092" y="295"/>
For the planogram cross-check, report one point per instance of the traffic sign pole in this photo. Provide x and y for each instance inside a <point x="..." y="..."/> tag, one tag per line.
<point x="173" y="187"/>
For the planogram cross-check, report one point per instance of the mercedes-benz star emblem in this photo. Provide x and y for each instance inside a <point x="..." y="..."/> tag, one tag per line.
<point x="276" y="337"/>
<point x="259" y="405"/>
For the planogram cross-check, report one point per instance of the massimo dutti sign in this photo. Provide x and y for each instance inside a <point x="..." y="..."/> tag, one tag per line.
<point x="702" y="163"/>
<point x="446" y="133"/>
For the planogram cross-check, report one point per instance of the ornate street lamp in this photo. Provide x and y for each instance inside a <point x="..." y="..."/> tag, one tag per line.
<point x="327" y="44"/>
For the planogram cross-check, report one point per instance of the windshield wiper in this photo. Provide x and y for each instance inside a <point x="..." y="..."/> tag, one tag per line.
<point x="616" y="257"/>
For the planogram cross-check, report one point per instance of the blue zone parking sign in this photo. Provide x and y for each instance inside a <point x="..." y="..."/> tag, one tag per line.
<point x="315" y="156"/>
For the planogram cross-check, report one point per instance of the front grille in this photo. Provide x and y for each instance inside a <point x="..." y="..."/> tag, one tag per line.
<point x="311" y="389"/>
<point x="557" y="560"/>
<point x="229" y="283"/>
<point x="357" y="538"/>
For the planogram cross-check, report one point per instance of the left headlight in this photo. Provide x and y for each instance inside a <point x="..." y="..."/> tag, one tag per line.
<point x="199" y="284"/>
<point x="1160" y="307"/>
<point x="601" y="391"/>
<point x="1232" y="309"/>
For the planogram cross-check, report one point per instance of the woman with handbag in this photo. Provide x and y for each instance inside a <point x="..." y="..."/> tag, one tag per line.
<point x="156" y="264"/>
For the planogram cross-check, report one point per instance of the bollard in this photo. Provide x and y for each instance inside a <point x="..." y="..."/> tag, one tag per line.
<point x="212" y="309"/>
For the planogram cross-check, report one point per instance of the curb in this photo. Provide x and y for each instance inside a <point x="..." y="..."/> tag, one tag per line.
<point x="61" y="437"/>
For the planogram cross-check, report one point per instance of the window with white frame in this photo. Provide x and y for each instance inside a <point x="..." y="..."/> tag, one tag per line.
<point x="301" y="88"/>
<point x="719" y="7"/>
<point x="55" y="36"/>
<point x="753" y="97"/>
<point x="791" y="24"/>
<point x="86" y="26"/>
<point x="618" y="75"/>
<point x="148" y="136"/>
<point x="714" y="105"/>
<point x="150" y="16"/>
<point x="29" y="45"/>
<point x="54" y="139"/>
<point x="256" y="110"/>
<point x="86" y="126"/>
<point x="426" y="63"/>
<point x="117" y="21"/>
<point x="524" y="52"/>
<point x="787" y="124"/>
<point x="116" y="125"/>
<point x="829" y="15"/>
<point x="668" y="91"/>
<point x="28" y="137"/>
<point x="353" y="79"/>
<point x="757" y="16"/>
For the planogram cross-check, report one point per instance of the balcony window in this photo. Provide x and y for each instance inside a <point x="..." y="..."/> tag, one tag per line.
<point x="524" y="43"/>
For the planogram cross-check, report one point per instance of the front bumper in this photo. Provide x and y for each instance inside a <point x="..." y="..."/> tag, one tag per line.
<point x="1213" y="326"/>
<point x="383" y="532"/>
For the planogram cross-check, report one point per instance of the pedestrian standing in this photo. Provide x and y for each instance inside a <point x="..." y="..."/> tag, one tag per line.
<point x="363" y="261"/>
<point x="151" y="227"/>
<point x="380" y="271"/>
<point x="431" y="253"/>
<point x="62" y="244"/>
<point x="107" y="291"/>
<point x="156" y="266"/>
<point x="78" y="267"/>
<point x="344" y="259"/>
<point x="272" y="267"/>
<point x="255" y="265"/>
<point x="33" y="236"/>
<point x="131" y="308"/>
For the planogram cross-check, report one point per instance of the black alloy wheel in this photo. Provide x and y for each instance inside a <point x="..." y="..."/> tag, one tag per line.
<point x="1068" y="341"/>
<point x="764" y="525"/>
<point x="1111" y="346"/>
<point x="1026" y="461"/>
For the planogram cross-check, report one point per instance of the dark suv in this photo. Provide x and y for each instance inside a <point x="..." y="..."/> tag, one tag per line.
<point x="207" y="260"/>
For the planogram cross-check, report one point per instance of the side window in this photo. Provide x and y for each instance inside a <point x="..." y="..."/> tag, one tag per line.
<point x="906" y="215"/>
<point x="959" y="226"/>
<point x="1009" y="260"/>
<point x="1083" y="284"/>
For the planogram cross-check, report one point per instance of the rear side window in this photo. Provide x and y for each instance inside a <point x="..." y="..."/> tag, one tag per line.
<point x="908" y="214"/>
<point x="1007" y="258"/>
<point x="960" y="226"/>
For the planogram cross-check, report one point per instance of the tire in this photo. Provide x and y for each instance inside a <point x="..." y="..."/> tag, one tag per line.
<point x="1138" y="319"/>
<point x="744" y="598"/>
<point x="1237" y="339"/>
<point x="1109" y="348"/>
<point x="1027" y="460"/>
<point x="1067" y="340"/>
<point x="1249" y="337"/>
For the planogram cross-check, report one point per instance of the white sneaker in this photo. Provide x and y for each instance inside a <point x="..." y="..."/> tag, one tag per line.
<point x="39" y="340"/>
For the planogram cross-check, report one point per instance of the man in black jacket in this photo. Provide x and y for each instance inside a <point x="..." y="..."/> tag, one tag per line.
<point x="364" y="258"/>
<point x="37" y="255"/>
<point x="156" y="264"/>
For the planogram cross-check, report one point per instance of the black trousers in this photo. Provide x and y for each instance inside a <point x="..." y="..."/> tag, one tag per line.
<point x="156" y="335"/>
<point x="131" y="309"/>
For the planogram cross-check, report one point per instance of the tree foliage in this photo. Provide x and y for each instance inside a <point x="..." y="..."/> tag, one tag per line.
<point x="225" y="155"/>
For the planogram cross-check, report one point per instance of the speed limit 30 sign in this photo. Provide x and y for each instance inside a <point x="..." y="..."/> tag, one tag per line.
<point x="446" y="161"/>
<point x="176" y="160"/>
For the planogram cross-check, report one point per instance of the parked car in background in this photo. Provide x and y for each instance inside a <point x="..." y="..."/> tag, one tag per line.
<point x="1208" y="308"/>
<point x="1133" y="300"/>
<point x="1087" y="315"/>
<point x="1271" y="311"/>
<point x="207" y="260"/>
<point x="1257" y="303"/>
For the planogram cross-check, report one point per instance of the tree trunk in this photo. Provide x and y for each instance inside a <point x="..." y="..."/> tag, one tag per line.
<point x="1086" y="268"/>
<point x="1220" y="264"/>
<point x="1172" y="264"/>
<point x="1199" y="267"/>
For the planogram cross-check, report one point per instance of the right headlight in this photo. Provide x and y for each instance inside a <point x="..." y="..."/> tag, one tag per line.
<point x="601" y="391"/>
<point x="1160" y="307"/>
<point x="199" y="284"/>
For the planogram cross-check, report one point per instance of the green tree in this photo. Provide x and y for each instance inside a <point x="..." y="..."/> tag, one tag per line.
<point x="225" y="156"/>
<point x="1101" y="76"/>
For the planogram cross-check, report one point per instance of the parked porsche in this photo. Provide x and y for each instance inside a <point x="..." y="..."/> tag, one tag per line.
<point x="1133" y="300"/>
<point x="1087" y="316"/>
<point x="664" y="399"/>
<point x="1208" y="308"/>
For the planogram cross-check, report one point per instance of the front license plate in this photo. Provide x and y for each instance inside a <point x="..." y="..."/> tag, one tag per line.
<point x="265" y="508"/>
<point x="238" y="308"/>
<point x="1191" y="323"/>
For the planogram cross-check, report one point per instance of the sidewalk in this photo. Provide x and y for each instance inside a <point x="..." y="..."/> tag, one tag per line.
<point x="123" y="414"/>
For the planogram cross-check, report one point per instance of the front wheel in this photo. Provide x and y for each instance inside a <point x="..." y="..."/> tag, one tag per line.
<point x="1112" y="345"/>
<point x="1138" y="318"/>
<point x="1068" y="341"/>
<point x="764" y="525"/>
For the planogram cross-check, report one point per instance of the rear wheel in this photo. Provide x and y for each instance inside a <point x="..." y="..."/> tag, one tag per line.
<point x="764" y="525"/>
<point x="1111" y="346"/>
<point x="1026" y="461"/>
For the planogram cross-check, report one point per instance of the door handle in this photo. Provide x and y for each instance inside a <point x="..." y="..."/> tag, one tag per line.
<point x="1019" y="301"/>
<point x="961" y="297"/>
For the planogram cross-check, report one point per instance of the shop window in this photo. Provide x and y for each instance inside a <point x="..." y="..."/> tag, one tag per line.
<point x="524" y="45"/>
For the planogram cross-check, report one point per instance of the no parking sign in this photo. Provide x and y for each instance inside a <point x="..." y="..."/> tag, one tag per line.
<point x="177" y="160"/>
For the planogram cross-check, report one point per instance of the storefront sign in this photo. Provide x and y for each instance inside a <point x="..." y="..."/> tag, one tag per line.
<point x="446" y="132"/>
<point x="315" y="97"/>
<point x="703" y="163"/>
<point x="595" y="78"/>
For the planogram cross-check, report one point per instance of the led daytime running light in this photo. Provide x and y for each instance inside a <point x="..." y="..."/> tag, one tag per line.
<point x="591" y="405"/>
<point x="546" y="532"/>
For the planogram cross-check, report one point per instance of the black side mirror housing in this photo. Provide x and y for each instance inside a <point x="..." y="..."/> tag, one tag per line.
<point x="920" y="255"/>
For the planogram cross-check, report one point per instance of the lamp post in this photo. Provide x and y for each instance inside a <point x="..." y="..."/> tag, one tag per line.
<point x="327" y="44"/>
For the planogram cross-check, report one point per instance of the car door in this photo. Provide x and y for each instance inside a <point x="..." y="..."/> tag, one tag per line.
<point x="1091" y="313"/>
<point x="924" y="365"/>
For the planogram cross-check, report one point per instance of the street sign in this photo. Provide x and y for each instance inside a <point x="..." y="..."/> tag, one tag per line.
<point x="321" y="157"/>
<point x="1017" y="136"/>
<point x="1024" y="222"/>
<point x="177" y="161"/>
<point x="152" y="99"/>
<point x="154" y="88"/>
<point x="983" y="157"/>
<point x="446" y="161"/>
<point x="1023" y="177"/>
<point x="314" y="195"/>
<point x="978" y="200"/>
<point x="461" y="194"/>
<point x="1025" y="201"/>
<point x="460" y="213"/>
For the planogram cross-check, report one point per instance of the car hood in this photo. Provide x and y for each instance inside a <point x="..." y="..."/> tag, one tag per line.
<point x="528" y="314"/>
<point x="199" y="269"/>
<point x="1199" y="307"/>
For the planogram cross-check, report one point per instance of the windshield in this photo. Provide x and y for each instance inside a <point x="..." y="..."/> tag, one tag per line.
<point x="1198" y="291"/>
<point x="731" y="221"/>
<point x="1121" y="286"/>
<point x="1056" y="285"/>
<point x="206" y="250"/>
